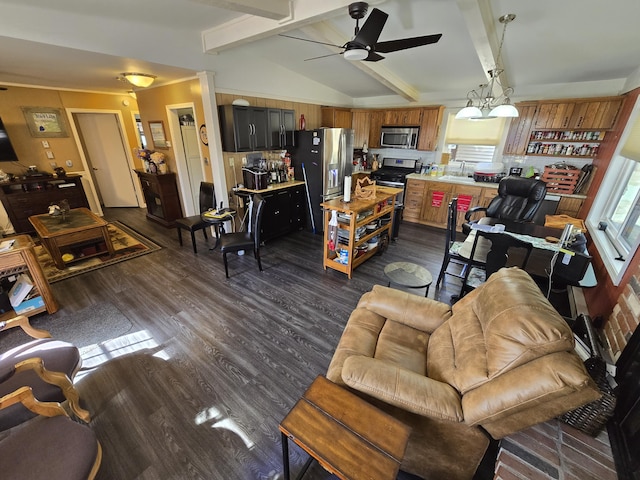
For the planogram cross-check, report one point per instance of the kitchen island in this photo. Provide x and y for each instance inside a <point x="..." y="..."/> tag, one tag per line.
<point x="356" y="215"/>
<point x="284" y="210"/>
<point x="427" y="198"/>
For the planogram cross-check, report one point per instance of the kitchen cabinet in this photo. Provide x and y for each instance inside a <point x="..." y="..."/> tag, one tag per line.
<point x="487" y="195"/>
<point x="597" y="114"/>
<point x="284" y="209"/>
<point x="244" y="129"/>
<point x="409" y="117"/>
<point x="429" y="128"/>
<point x="436" y="204"/>
<point x="360" y="212"/>
<point x="413" y="200"/>
<point x="21" y="258"/>
<point x="361" y="122"/>
<point x="554" y="115"/>
<point x="29" y="196"/>
<point x="520" y="129"/>
<point x="470" y="191"/>
<point x="281" y="125"/>
<point x="375" y="124"/>
<point x="333" y="117"/>
<point x="161" y="196"/>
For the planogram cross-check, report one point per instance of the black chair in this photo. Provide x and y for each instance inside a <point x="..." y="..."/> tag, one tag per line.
<point x="195" y="222"/>
<point x="518" y="200"/>
<point x="502" y="244"/>
<point x="235" y="242"/>
<point x="452" y="247"/>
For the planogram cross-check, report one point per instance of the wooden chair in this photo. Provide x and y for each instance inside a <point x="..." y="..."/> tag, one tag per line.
<point x="235" y="242"/>
<point x="194" y="223"/>
<point x="452" y="247"/>
<point x="50" y="447"/>
<point x="45" y="365"/>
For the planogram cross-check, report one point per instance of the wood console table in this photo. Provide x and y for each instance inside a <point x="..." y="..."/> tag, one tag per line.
<point x="349" y="437"/>
<point x="370" y="210"/>
<point x="22" y="258"/>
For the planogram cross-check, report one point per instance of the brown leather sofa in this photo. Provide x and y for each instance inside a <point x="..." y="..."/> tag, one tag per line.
<point x="498" y="361"/>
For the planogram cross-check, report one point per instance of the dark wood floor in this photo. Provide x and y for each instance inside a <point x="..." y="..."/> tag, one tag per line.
<point x="212" y="365"/>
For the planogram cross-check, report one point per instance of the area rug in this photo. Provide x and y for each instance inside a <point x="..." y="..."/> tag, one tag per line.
<point x="92" y="325"/>
<point x="127" y="244"/>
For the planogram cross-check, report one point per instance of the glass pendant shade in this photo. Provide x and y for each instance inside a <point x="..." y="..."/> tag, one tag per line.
<point x="469" y="112"/>
<point x="505" y="110"/>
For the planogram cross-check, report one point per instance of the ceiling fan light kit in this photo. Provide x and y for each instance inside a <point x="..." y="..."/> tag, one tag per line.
<point x="364" y="44"/>
<point x="484" y="103"/>
<point x="142" y="80"/>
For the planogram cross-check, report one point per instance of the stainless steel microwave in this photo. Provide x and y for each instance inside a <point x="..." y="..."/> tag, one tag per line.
<point x="399" y="137"/>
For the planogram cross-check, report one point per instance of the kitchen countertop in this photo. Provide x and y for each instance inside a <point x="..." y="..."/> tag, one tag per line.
<point x="271" y="188"/>
<point x="470" y="181"/>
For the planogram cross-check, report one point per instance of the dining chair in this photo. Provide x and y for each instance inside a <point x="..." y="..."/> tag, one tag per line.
<point x="518" y="200"/>
<point x="451" y="246"/>
<point x="192" y="224"/>
<point x="46" y="365"/>
<point x="499" y="253"/>
<point x="49" y="447"/>
<point x="241" y="241"/>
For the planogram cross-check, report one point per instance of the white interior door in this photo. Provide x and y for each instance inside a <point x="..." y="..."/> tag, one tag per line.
<point x="105" y="153"/>
<point x="193" y="163"/>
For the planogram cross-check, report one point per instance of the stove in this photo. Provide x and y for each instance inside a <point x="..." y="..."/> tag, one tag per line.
<point x="393" y="173"/>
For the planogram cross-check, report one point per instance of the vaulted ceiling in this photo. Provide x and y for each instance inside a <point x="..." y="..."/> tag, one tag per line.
<point x="553" y="49"/>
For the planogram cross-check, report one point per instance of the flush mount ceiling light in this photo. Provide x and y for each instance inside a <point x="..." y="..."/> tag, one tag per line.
<point x="142" y="80"/>
<point x="483" y="103"/>
<point x="355" y="53"/>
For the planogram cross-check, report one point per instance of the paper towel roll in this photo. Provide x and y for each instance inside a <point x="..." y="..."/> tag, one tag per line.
<point x="347" y="189"/>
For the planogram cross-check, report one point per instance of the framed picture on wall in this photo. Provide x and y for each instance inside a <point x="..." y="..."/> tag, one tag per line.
<point x="45" y="121"/>
<point x="157" y="134"/>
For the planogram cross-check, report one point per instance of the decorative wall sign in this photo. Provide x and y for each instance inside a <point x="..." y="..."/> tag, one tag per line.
<point x="45" y="121"/>
<point x="157" y="134"/>
<point x="203" y="134"/>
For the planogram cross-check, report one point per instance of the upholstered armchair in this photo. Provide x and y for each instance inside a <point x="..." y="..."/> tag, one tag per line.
<point x="498" y="361"/>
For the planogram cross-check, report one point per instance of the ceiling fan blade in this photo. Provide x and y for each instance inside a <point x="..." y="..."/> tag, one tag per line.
<point x="370" y="31"/>
<point x="323" y="56"/>
<point x="312" y="41"/>
<point x="373" y="57"/>
<point x="403" y="44"/>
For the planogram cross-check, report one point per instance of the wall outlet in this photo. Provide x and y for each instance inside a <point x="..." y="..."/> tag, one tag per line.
<point x="53" y="164"/>
<point x="50" y="154"/>
<point x="45" y="144"/>
<point x="69" y="163"/>
<point x="232" y="162"/>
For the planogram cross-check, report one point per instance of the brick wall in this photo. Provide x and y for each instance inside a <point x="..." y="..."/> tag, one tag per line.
<point x="625" y="316"/>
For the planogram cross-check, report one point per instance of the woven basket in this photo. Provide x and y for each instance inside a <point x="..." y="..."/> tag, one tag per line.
<point x="592" y="417"/>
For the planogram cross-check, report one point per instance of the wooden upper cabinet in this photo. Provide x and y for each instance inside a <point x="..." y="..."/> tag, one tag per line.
<point x="361" y="126"/>
<point x="336" y="117"/>
<point x="601" y="114"/>
<point x="520" y="129"/>
<point x="376" y="120"/>
<point x="554" y="115"/>
<point x="407" y="117"/>
<point x="429" y="128"/>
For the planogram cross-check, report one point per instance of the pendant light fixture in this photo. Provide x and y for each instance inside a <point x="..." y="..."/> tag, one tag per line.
<point x="142" y="80"/>
<point x="483" y="103"/>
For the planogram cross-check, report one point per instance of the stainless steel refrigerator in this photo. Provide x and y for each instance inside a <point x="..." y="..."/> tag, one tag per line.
<point x="322" y="157"/>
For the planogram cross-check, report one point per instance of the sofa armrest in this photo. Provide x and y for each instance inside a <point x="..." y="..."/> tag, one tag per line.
<point x="403" y="388"/>
<point x="424" y="314"/>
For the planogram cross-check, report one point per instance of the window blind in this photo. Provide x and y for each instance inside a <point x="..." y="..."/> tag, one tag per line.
<point x="474" y="132"/>
<point x="474" y="153"/>
<point x="631" y="148"/>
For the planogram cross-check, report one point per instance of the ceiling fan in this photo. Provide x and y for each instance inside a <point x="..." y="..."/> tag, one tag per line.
<point x="365" y="45"/>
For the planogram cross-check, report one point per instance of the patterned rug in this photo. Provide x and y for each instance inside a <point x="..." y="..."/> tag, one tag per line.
<point x="127" y="244"/>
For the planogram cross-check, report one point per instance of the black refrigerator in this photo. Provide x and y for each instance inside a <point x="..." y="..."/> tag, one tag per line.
<point x="322" y="158"/>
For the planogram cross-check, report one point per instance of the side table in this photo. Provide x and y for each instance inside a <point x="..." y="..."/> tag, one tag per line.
<point x="349" y="437"/>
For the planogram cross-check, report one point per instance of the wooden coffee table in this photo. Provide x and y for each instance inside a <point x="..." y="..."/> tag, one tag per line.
<point x="349" y="437"/>
<point x="80" y="234"/>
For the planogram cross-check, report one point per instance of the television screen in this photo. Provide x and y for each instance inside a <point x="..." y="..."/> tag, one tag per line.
<point x="7" y="154"/>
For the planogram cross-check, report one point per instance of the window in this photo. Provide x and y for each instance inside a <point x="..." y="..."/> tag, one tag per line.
<point x="614" y="220"/>
<point x="470" y="142"/>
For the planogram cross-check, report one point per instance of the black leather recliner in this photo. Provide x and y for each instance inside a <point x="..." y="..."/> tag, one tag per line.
<point x="518" y="200"/>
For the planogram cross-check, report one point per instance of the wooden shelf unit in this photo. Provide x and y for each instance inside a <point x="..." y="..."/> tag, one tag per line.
<point x="381" y="204"/>
<point x="22" y="258"/>
<point x="161" y="196"/>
